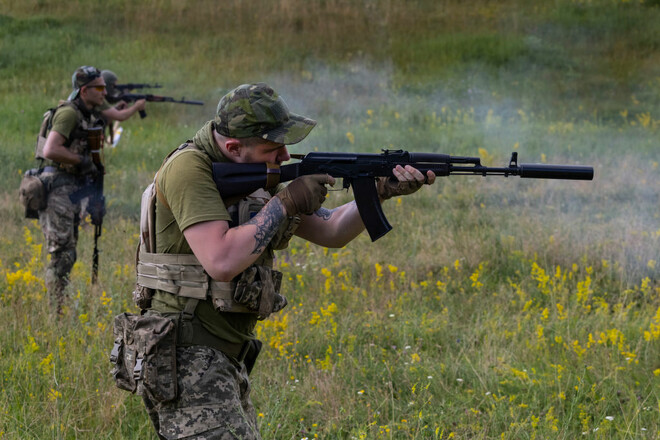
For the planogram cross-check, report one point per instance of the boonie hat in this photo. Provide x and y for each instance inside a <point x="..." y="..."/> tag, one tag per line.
<point x="81" y="77"/>
<point x="256" y="110"/>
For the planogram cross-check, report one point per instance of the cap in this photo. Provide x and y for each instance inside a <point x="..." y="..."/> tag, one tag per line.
<point x="81" y="77"/>
<point x="256" y="110"/>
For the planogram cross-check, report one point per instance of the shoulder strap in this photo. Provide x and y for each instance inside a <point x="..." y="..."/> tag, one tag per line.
<point x="159" y="193"/>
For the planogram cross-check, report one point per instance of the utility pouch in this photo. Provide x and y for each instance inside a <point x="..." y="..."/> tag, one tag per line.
<point x="258" y="290"/>
<point x="32" y="193"/>
<point x="122" y="356"/>
<point x="144" y="356"/>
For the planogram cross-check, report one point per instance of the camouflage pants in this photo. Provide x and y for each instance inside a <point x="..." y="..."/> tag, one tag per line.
<point x="59" y="224"/>
<point x="213" y="402"/>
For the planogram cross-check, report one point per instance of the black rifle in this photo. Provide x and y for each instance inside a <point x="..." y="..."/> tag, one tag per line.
<point x="132" y="86"/>
<point x="361" y="170"/>
<point x="93" y="189"/>
<point x="130" y="97"/>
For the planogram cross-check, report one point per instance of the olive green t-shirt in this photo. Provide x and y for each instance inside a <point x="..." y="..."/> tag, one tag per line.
<point x="186" y="183"/>
<point x="65" y="118"/>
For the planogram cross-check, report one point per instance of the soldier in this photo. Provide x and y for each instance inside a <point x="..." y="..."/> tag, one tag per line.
<point x="110" y="81"/>
<point x="68" y="165"/>
<point x="120" y="112"/>
<point x="232" y="245"/>
<point x="112" y="115"/>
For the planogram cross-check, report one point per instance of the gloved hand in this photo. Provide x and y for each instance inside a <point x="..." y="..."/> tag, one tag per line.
<point x="86" y="167"/>
<point x="407" y="181"/>
<point x="306" y="194"/>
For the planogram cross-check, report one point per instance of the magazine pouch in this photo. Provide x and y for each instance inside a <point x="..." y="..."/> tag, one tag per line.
<point x="144" y="355"/>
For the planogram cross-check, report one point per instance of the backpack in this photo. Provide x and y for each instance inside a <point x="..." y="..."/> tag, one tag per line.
<point x="46" y="125"/>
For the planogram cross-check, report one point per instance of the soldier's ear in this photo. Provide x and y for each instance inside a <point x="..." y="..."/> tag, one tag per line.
<point x="233" y="147"/>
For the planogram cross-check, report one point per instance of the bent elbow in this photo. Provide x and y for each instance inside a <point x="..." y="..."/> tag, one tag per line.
<point x="222" y="273"/>
<point x="49" y="154"/>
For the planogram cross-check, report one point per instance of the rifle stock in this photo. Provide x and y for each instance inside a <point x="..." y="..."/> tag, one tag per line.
<point x="361" y="170"/>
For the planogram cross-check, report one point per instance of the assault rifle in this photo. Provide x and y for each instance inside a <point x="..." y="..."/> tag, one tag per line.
<point x="361" y="170"/>
<point x="94" y="190"/>
<point x="132" y="86"/>
<point x="130" y="97"/>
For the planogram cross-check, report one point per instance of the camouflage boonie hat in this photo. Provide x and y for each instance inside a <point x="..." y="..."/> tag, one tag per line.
<point x="81" y="77"/>
<point x="256" y="110"/>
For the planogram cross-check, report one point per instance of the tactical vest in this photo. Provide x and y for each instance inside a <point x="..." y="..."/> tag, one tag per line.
<point x="255" y="291"/>
<point x="76" y="142"/>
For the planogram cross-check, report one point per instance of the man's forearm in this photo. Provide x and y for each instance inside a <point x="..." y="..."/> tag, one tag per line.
<point x="267" y="222"/>
<point x="333" y="228"/>
<point x="55" y="150"/>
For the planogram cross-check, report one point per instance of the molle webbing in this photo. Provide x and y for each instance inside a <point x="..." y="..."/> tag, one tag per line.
<point x="183" y="275"/>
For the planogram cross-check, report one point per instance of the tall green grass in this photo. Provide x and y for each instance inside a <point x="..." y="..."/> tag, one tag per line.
<point x="496" y="308"/>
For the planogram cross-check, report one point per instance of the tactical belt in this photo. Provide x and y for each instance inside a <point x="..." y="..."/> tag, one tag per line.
<point x="59" y="178"/>
<point x="191" y="332"/>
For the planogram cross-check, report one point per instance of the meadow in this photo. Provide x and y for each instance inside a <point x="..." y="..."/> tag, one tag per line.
<point x="496" y="308"/>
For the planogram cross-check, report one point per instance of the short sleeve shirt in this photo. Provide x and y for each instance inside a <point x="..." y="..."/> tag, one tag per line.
<point x="65" y="120"/>
<point x="186" y="183"/>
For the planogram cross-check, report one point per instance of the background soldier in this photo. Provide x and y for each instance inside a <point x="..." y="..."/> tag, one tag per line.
<point x="69" y="163"/>
<point x="233" y="244"/>
<point x="121" y="111"/>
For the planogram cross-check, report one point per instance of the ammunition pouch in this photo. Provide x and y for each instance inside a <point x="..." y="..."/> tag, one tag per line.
<point x="258" y="289"/>
<point x="144" y="355"/>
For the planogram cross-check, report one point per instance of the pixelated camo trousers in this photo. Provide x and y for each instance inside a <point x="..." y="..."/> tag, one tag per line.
<point x="214" y="399"/>
<point x="59" y="223"/>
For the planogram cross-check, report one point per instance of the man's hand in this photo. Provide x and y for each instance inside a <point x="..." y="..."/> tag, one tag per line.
<point x="140" y="104"/>
<point x="408" y="180"/>
<point x="86" y="166"/>
<point x="305" y="194"/>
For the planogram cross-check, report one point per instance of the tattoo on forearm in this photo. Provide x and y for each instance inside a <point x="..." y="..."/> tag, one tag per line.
<point x="324" y="213"/>
<point x="267" y="223"/>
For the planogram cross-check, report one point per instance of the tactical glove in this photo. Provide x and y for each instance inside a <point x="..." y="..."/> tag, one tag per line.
<point x="389" y="187"/>
<point x="86" y="167"/>
<point x="306" y="194"/>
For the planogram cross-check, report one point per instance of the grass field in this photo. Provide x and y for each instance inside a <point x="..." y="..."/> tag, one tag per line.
<point x="496" y="308"/>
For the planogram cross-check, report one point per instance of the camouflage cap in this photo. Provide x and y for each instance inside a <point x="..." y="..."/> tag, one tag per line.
<point x="81" y="77"/>
<point x="256" y="110"/>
